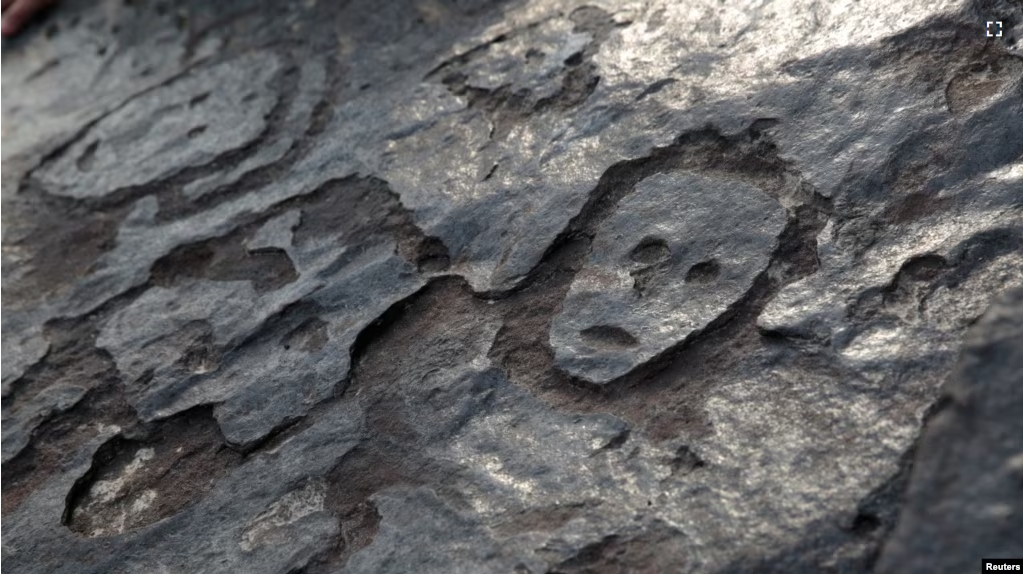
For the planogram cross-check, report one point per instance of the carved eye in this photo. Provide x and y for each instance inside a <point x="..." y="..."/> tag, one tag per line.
<point x="608" y="336"/>
<point x="650" y="250"/>
<point x="703" y="272"/>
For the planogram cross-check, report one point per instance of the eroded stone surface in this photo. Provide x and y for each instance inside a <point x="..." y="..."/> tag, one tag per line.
<point x="310" y="287"/>
<point x="972" y="473"/>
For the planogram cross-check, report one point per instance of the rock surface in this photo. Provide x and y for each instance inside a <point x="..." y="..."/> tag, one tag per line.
<point x="549" y="286"/>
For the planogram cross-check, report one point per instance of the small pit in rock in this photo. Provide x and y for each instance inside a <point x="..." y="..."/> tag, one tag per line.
<point x="432" y="255"/>
<point x="661" y="548"/>
<point x="976" y="86"/>
<point x="703" y="272"/>
<point x="650" y="251"/>
<point x="923" y="268"/>
<point x="200" y="99"/>
<point x="608" y="336"/>
<point x="685" y="461"/>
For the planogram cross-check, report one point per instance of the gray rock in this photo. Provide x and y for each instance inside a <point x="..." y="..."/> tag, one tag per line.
<point x="312" y="80"/>
<point x="267" y="514"/>
<point x="200" y="343"/>
<point x="962" y="501"/>
<point x="491" y="286"/>
<point x="20" y="421"/>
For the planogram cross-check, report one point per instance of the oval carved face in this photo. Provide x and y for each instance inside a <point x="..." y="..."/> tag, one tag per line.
<point x="187" y="122"/>
<point x="675" y="255"/>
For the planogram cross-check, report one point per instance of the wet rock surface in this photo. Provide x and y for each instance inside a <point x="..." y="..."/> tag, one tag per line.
<point x="512" y="286"/>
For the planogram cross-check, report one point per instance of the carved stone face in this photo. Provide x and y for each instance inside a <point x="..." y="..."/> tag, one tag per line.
<point x="674" y="256"/>
<point x="186" y="123"/>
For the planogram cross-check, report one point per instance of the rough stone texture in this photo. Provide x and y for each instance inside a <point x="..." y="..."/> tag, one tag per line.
<point x="962" y="502"/>
<point x="549" y="286"/>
